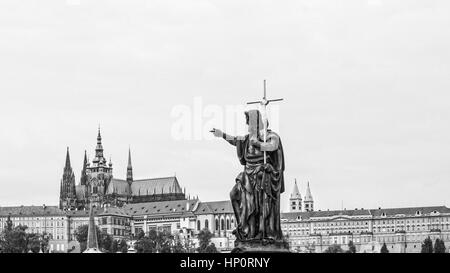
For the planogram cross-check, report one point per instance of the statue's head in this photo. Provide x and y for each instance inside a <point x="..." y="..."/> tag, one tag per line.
<point x="254" y="120"/>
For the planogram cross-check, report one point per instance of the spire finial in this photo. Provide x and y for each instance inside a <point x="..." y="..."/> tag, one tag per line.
<point x="129" y="158"/>
<point x="67" y="158"/>
<point x="99" y="135"/>
<point x="129" y="167"/>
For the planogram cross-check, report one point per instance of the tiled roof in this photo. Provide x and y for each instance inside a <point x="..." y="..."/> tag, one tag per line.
<point x="324" y="214"/>
<point x="214" y="207"/>
<point x="31" y="211"/>
<point x="83" y="213"/>
<point x="364" y="212"/>
<point x="158" y="208"/>
<point x="118" y="186"/>
<point x="409" y="211"/>
<point x="155" y="186"/>
<point x="114" y="211"/>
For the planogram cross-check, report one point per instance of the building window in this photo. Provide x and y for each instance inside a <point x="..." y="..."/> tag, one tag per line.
<point x="228" y="224"/>
<point x="217" y="224"/>
<point x="198" y="225"/>
<point x="222" y="224"/>
<point x="206" y="224"/>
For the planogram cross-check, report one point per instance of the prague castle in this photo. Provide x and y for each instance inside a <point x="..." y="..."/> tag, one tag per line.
<point x="98" y="185"/>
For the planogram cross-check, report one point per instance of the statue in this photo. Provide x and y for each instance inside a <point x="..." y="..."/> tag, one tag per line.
<point x="256" y="195"/>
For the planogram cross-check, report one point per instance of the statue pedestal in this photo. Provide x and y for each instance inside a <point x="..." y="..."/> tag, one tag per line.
<point x="260" y="246"/>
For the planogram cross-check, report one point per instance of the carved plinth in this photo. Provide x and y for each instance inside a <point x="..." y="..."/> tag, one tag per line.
<point x="260" y="246"/>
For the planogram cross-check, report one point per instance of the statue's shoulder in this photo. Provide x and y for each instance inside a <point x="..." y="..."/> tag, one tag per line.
<point x="272" y="134"/>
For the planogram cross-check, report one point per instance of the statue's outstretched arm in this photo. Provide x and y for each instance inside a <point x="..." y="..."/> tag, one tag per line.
<point x="230" y="139"/>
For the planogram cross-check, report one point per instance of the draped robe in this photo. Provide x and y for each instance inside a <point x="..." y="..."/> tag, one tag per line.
<point x="256" y="194"/>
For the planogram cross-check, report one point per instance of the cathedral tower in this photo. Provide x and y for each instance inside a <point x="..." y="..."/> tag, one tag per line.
<point x="295" y="201"/>
<point x="67" y="195"/>
<point x="308" y="202"/>
<point x="99" y="174"/>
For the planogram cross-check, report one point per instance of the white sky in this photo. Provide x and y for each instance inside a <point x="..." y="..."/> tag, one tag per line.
<point x="366" y="116"/>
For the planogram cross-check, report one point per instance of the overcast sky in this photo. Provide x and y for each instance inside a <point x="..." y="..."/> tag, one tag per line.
<point x="366" y="116"/>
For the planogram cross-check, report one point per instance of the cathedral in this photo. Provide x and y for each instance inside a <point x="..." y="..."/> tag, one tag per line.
<point x="97" y="185"/>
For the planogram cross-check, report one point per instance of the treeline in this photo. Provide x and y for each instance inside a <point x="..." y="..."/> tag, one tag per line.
<point x="17" y="240"/>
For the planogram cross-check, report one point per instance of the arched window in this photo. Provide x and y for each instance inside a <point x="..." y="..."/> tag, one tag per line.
<point x="198" y="225"/>
<point x="222" y="224"/>
<point x="206" y="224"/>
<point x="228" y="224"/>
<point x="217" y="224"/>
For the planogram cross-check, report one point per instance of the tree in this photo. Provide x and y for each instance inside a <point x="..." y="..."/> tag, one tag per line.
<point x="204" y="242"/>
<point x="159" y="241"/>
<point x="439" y="246"/>
<point x="427" y="246"/>
<point x="211" y="248"/>
<point x="384" y="249"/>
<point x="114" y="246"/>
<point x="34" y="242"/>
<point x="123" y="246"/>
<point x="140" y="235"/>
<point x="178" y="247"/>
<point x="334" y="249"/>
<point x="103" y="239"/>
<point x="145" y="245"/>
<point x="351" y="247"/>
<point x="14" y="240"/>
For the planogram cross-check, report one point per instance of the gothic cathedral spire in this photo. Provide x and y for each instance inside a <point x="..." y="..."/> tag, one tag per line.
<point x="83" y="178"/>
<point x="129" y="168"/>
<point x="67" y="195"/>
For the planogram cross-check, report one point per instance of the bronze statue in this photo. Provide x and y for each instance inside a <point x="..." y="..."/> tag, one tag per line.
<point x="256" y="195"/>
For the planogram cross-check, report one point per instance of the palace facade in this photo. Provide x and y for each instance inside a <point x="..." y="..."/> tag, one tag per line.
<point x="402" y="229"/>
<point x="183" y="218"/>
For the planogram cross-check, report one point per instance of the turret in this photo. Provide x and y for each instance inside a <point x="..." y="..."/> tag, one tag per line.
<point x="308" y="202"/>
<point x="295" y="200"/>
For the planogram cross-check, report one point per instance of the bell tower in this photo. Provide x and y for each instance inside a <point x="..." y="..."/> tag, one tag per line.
<point x="295" y="200"/>
<point x="308" y="202"/>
